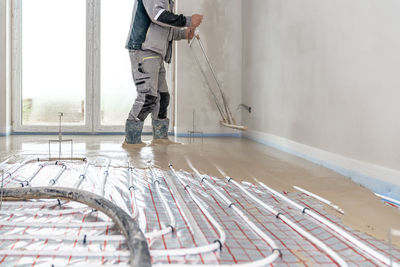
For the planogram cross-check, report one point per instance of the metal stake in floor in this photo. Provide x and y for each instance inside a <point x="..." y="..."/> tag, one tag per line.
<point x="61" y="140"/>
<point x="193" y="132"/>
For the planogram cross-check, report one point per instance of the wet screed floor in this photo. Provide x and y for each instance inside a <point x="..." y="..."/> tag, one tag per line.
<point x="226" y="201"/>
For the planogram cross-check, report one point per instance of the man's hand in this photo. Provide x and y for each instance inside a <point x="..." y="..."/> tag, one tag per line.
<point x="196" y="20"/>
<point x="190" y="33"/>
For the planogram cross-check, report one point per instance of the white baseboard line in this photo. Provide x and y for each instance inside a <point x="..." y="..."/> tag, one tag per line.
<point x="378" y="179"/>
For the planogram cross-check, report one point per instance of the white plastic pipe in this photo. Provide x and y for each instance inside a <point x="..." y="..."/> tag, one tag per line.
<point x="132" y="189"/>
<point x="140" y="216"/>
<point x="57" y="225"/>
<point x="218" y="244"/>
<point x="82" y="176"/>
<point x="33" y="176"/>
<point x="388" y="198"/>
<point x="357" y="243"/>
<point x="42" y="212"/>
<point x="10" y="171"/>
<point x="55" y="179"/>
<point x="276" y="253"/>
<point x="80" y="238"/>
<point x="4" y="162"/>
<point x="323" y="200"/>
<point x="105" y="176"/>
<point x="171" y="227"/>
<point x="30" y="179"/>
<point x="60" y="253"/>
<point x="293" y="225"/>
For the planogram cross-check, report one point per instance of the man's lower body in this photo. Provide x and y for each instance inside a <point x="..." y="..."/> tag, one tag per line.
<point x="152" y="96"/>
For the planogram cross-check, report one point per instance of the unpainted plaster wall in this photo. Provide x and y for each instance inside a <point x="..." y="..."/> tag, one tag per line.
<point x="221" y="33"/>
<point x="325" y="74"/>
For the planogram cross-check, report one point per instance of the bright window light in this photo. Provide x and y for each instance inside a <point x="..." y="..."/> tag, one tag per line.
<point x="53" y="61"/>
<point x="118" y="91"/>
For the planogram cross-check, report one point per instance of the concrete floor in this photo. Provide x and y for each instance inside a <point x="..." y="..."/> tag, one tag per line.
<point x="239" y="158"/>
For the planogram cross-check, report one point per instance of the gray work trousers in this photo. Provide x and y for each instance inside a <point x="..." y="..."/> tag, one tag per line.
<point x="152" y="91"/>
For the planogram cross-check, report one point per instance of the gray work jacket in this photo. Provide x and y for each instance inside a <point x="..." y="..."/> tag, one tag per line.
<point x="154" y="26"/>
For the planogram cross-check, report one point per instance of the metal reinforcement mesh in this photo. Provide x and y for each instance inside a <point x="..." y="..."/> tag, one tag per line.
<point x="52" y="232"/>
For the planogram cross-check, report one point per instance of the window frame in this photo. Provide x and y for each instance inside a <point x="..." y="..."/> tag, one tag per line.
<point x="93" y="72"/>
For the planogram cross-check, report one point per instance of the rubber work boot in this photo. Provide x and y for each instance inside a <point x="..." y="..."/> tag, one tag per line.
<point x="160" y="129"/>
<point x="133" y="131"/>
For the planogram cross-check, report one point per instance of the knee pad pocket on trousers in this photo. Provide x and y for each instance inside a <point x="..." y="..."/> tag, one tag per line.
<point x="164" y="103"/>
<point x="148" y="106"/>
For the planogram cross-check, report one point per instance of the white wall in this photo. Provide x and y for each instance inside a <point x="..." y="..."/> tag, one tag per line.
<point x="325" y="74"/>
<point x="221" y="33"/>
<point x="5" y="77"/>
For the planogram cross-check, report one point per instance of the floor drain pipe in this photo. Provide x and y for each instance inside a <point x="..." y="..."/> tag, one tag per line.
<point x="276" y="253"/>
<point x="335" y="228"/>
<point x="293" y="225"/>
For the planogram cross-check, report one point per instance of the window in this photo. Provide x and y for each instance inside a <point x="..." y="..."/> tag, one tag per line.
<point x="70" y="57"/>
<point x="53" y="62"/>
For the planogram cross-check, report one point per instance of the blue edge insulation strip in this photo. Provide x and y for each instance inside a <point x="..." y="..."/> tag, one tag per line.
<point x="373" y="184"/>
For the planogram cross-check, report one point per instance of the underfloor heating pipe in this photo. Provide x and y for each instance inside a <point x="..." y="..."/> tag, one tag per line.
<point x="357" y="243"/>
<point x="4" y="162"/>
<point x="105" y="176"/>
<point x="82" y="177"/>
<point x="58" y="175"/>
<point x="28" y="181"/>
<point x="170" y="228"/>
<point x="134" y="187"/>
<point x="217" y="245"/>
<point x="276" y="253"/>
<point x="291" y="224"/>
<point x="65" y="253"/>
<point x="10" y="171"/>
<point x="136" y="243"/>
<point x="78" y="238"/>
<point x="57" y="224"/>
<point x="323" y="200"/>
<point x="132" y="190"/>
<point x="57" y="212"/>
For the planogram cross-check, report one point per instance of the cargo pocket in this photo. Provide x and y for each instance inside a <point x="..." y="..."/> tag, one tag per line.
<point x="149" y="65"/>
<point x="143" y="85"/>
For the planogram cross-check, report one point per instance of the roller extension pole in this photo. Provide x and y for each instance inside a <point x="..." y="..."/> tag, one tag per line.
<point x="216" y="101"/>
<point x="293" y="225"/>
<point x="227" y="111"/>
<point x="276" y="253"/>
<point x="337" y="208"/>
<point x="358" y="244"/>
